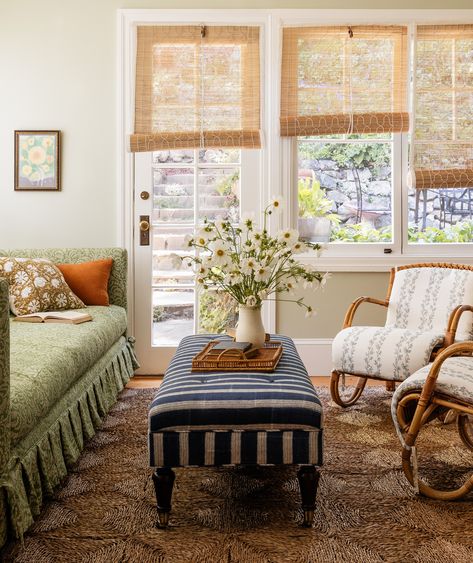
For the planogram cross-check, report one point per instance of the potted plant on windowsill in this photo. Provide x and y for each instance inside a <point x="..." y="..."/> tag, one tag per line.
<point x="315" y="211"/>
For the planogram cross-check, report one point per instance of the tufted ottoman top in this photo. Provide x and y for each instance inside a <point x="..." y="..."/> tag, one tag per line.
<point x="279" y="400"/>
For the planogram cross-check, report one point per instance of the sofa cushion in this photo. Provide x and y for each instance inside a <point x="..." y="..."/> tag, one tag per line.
<point x="89" y="280"/>
<point x="46" y="359"/>
<point x="36" y="285"/>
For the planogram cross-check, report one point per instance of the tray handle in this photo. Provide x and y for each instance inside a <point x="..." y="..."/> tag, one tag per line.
<point x="241" y="354"/>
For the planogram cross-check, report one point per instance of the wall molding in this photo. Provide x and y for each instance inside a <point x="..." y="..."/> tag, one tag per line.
<point x="316" y="353"/>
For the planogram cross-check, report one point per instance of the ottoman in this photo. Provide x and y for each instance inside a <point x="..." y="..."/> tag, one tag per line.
<point x="204" y="419"/>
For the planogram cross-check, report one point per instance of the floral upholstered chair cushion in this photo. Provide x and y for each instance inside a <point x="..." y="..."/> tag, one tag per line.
<point x="36" y="285"/>
<point x="423" y="299"/>
<point x="420" y="305"/>
<point x="455" y="380"/>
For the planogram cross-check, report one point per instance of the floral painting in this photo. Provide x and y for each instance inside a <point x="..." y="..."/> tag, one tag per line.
<point x="37" y="160"/>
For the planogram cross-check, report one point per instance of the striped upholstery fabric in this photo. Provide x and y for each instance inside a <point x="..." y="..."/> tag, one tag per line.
<point x="226" y="418"/>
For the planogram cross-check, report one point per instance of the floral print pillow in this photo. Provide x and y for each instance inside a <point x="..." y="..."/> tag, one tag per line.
<point x="36" y="285"/>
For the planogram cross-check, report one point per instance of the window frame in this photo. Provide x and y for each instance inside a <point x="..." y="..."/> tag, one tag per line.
<point x="247" y="165"/>
<point x="370" y="249"/>
<point x="366" y="257"/>
<point x="277" y="156"/>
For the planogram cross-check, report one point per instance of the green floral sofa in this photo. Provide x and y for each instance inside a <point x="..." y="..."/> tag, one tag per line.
<point x="57" y="382"/>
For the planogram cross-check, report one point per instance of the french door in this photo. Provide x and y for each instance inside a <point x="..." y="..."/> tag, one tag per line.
<point x="174" y="192"/>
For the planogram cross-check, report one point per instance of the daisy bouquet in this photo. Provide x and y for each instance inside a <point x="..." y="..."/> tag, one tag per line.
<point x="248" y="263"/>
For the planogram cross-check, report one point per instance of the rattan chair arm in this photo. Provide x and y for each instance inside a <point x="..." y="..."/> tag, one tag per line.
<point x="429" y="386"/>
<point x="453" y="321"/>
<point x="454" y="350"/>
<point x="354" y="306"/>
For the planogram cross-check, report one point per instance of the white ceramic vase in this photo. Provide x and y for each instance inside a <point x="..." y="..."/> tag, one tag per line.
<point x="250" y="326"/>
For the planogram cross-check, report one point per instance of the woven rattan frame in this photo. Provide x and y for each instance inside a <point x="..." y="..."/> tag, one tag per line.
<point x="427" y="403"/>
<point x="449" y="337"/>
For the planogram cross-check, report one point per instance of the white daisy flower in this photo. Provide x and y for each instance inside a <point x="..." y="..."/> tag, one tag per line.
<point x="201" y="270"/>
<point x="262" y="274"/>
<point x="251" y="301"/>
<point x="299" y="247"/>
<point x="290" y="288"/>
<point x="262" y="294"/>
<point x="219" y="253"/>
<point x="202" y="237"/>
<point x="276" y="202"/>
<point x="248" y="265"/>
<point x="288" y="236"/>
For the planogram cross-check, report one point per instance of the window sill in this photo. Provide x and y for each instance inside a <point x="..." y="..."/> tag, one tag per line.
<point x="376" y="263"/>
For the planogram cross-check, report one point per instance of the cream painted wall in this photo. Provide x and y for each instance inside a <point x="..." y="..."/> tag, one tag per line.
<point x="331" y="304"/>
<point x="57" y="68"/>
<point x="57" y="64"/>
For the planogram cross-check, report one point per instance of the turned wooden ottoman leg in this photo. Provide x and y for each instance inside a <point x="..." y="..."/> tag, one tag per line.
<point x="308" y="477"/>
<point x="163" y="479"/>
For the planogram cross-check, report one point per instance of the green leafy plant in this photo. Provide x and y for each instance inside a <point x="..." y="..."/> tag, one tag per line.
<point x="312" y="200"/>
<point x="226" y="184"/>
<point x="460" y="232"/>
<point x="217" y="311"/>
<point x="361" y="232"/>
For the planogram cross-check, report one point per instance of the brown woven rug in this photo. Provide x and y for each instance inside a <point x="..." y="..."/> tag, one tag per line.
<point x="105" y="512"/>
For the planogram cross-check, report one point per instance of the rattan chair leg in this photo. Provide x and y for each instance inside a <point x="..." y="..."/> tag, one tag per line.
<point x="430" y="492"/>
<point x="465" y="429"/>
<point x="335" y="392"/>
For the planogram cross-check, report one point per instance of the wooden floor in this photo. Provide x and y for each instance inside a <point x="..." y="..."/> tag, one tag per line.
<point x="150" y="381"/>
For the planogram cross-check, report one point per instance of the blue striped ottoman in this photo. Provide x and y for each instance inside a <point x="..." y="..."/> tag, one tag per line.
<point x="235" y="418"/>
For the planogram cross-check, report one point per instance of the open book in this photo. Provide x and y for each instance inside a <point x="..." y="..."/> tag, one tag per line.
<point x="70" y="317"/>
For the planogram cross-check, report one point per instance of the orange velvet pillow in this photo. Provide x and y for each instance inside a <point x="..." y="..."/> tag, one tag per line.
<point x="89" y="280"/>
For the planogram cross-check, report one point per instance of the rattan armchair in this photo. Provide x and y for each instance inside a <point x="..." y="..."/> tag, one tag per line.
<point x="429" y="306"/>
<point x="445" y="385"/>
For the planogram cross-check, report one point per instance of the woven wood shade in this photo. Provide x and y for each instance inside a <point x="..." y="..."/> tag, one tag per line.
<point x="196" y="87"/>
<point x="442" y="150"/>
<point x="344" y="80"/>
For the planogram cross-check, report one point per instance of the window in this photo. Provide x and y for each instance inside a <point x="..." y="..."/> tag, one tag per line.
<point x="344" y="96"/>
<point x="344" y="188"/>
<point x="441" y="177"/>
<point x="188" y="186"/>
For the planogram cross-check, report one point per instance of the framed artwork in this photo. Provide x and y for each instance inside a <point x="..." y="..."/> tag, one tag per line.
<point x="37" y="161"/>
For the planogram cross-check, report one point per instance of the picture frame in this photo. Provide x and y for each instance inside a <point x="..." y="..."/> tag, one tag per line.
<point x="38" y="161"/>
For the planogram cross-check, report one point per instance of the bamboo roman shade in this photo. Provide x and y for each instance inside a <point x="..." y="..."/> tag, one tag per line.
<point x="344" y="80"/>
<point x="196" y="87"/>
<point x="442" y="140"/>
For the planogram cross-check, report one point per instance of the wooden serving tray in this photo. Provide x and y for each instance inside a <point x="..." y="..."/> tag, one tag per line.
<point x="267" y="359"/>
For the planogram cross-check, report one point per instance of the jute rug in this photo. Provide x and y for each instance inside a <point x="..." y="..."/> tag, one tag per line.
<point x="105" y="512"/>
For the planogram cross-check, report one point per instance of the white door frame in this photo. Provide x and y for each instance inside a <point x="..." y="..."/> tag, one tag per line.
<point x="270" y="159"/>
